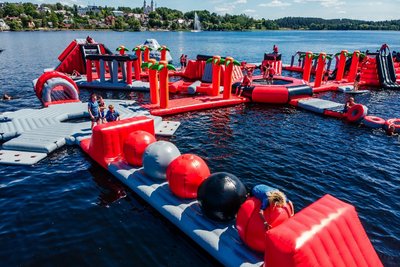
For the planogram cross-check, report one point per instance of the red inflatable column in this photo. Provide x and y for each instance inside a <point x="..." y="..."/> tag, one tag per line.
<point x="89" y="73"/>
<point x="354" y="66"/>
<point x="341" y="65"/>
<point x="164" y="90"/>
<point x="228" y="77"/>
<point x="308" y="60"/>
<point x="129" y="72"/>
<point x="320" y="69"/>
<point x="216" y="75"/>
<point x="153" y="79"/>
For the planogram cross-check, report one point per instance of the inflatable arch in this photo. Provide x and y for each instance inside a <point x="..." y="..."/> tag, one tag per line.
<point x="55" y="87"/>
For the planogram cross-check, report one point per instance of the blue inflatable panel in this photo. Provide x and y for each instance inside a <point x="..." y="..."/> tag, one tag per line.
<point x="192" y="88"/>
<point x="319" y="105"/>
<point x="221" y="240"/>
<point x="207" y="75"/>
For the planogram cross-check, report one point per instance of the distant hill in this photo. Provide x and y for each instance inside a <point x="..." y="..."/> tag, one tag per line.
<point x="28" y="16"/>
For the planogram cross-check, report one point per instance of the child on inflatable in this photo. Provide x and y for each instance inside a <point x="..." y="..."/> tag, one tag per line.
<point x="271" y="73"/>
<point x="94" y="110"/>
<point x="247" y="79"/>
<point x="265" y="71"/>
<point x="349" y="104"/>
<point x="102" y="107"/>
<point x="112" y="115"/>
<point x="357" y="80"/>
<point x="275" y="208"/>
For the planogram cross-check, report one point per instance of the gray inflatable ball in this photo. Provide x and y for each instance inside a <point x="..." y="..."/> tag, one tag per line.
<point x="157" y="157"/>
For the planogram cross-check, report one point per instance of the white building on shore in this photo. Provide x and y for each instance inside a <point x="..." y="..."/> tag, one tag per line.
<point x="3" y="26"/>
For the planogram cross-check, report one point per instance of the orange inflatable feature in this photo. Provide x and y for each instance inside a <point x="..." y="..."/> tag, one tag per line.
<point x="216" y="74"/>
<point x="307" y="66"/>
<point x="185" y="174"/>
<point x="320" y="69"/>
<point x="135" y="145"/>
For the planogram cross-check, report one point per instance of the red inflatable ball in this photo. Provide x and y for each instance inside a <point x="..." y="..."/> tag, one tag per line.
<point x="250" y="224"/>
<point x="135" y="145"/>
<point x="185" y="174"/>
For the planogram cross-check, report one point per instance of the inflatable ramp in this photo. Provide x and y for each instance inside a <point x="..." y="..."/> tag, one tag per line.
<point x="34" y="133"/>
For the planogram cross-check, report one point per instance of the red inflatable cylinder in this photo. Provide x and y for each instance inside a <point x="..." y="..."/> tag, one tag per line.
<point x="228" y="78"/>
<point x="320" y="69"/>
<point x="273" y="95"/>
<point x="153" y="80"/>
<point x="164" y="84"/>
<point x="308" y="61"/>
<point x="354" y="66"/>
<point x="216" y="75"/>
<point x="135" y="145"/>
<point x="129" y="72"/>
<point x="341" y="65"/>
<point x="185" y="174"/>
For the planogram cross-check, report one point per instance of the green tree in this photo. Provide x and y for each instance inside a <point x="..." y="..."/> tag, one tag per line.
<point x="53" y="19"/>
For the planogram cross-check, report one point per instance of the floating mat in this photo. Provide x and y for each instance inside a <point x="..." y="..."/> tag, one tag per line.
<point x="13" y="157"/>
<point x="43" y="130"/>
<point x="319" y="105"/>
<point x="221" y="240"/>
<point x="167" y="128"/>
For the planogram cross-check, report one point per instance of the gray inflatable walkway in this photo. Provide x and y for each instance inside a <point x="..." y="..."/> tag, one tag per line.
<point x="34" y="133"/>
<point x="221" y="240"/>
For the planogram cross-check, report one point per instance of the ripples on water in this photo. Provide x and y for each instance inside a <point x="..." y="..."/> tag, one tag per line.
<point x="67" y="210"/>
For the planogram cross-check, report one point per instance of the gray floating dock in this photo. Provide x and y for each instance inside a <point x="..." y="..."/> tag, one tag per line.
<point x="319" y="105"/>
<point x="221" y="240"/>
<point x="31" y="134"/>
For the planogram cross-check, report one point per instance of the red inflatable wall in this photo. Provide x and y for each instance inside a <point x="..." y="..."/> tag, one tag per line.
<point x="106" y="143"/>
<point x="326" y="233"/>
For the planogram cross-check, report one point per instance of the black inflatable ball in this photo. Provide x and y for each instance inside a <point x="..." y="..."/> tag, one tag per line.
<point x="221" y="195"/>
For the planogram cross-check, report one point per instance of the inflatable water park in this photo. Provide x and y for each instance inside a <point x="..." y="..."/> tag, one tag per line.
<point x="212" y="207"/>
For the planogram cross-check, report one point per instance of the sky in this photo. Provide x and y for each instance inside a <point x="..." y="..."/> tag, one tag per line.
<point x="268" y="9"/>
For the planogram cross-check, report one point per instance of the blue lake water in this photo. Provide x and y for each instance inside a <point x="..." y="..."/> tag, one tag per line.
<point x="67" y="211"/>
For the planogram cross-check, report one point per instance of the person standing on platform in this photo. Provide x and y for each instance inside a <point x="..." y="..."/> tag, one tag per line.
<point x="94" y="110"/>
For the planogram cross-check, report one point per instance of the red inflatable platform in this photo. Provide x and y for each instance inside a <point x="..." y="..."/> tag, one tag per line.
<point x="187" y="104"/>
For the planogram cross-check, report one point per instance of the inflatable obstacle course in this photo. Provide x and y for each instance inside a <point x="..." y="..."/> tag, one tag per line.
<point x="326" y="233"/>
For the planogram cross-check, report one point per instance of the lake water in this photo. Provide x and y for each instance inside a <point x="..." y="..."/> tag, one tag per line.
<point x="68" y="211"/>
